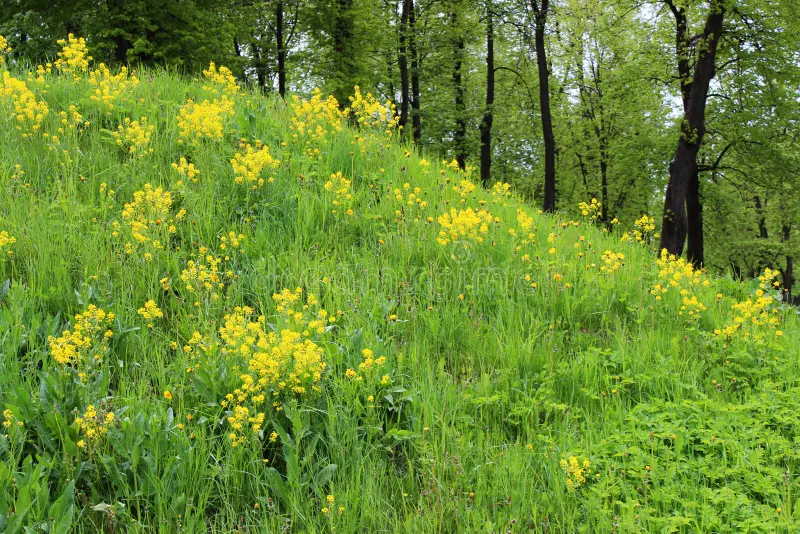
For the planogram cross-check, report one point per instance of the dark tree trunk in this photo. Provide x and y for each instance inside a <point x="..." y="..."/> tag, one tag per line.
<point x="488" y="116"/>
<point x="603" y="181"/>
<point x="694" y="206"/>
<point x="584" y="154"/>
<point x="402" y="62"/>
<point x="584" y="172"/>
<point x="694" y="219"/>
<point x="261" y="68"/>
<point x="121" y="47"/>
<point x="344" y="62"/>
<point x="788" y="273"/>
<point x="390" y="71"/>
<point x="763" y="233"/>
<point x="684" y="164"/>
<point x="280" y="47"/>
<point x="460" y="132"/>
<point x="682" y="53"/>
<point x="540" y="21"/>
<point x="412" y="49"/>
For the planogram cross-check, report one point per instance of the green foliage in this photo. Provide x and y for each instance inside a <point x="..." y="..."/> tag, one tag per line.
<point x="524" y="341"/>
<point x="186" y="35"/>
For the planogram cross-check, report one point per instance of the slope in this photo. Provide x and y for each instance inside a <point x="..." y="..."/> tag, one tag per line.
<point x="228" y="312"/>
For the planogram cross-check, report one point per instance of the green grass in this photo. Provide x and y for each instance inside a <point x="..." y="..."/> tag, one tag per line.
<point x="491" y="383"/>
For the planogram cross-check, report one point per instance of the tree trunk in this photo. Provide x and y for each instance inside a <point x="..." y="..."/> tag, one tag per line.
<point x="281" y="48"/>
<point x="603" y="181"/>
<point x="389" y="57"/>
<point x="682" y="53"/>
<point x="412" y="49"/>
<point x="694" y="219"/>
<point x="121" y="47"/>
<point x="488" y="116"/>
<point x="684" y="164"/>
<point x="763" y="233"/>
<point x="402" y="62"/>
<point x="460" y="132"/>
<point x="344" y="62"/>
<point x="788" y="273"/>
<point x="540" y="20"/>
<point x="261" y="71"/>
<point x="694" y="206"/>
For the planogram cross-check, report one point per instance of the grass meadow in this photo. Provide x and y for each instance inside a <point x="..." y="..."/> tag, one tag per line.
<point x="225" y="312"/>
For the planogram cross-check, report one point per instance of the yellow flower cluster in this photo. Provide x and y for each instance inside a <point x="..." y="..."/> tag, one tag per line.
<point x="222" y="79"/>
<point x="370" y="361"/>
<point x="527" y="237"/>
<point x="150" y="312"/>
<point x="643" y="227"/>
<point x="93" y="425"/>
<point x="370" y="113"/>
<point x="203" y="277"/>
<point x="287" y="302"/>
<point x="187" y="169"/>
<point x="612" y="261"/>
<point x="287" y="299"/>
<point x="409" y="198"/>
<point x="6" y="241"/>
<point x="8" y="419"/>
<point x="676" y="272"/>
<point x="691" y="307"/>
<point x="525" y="222"/>
<point x="28" y="111"/>
<point x="4" y="49"/>
<point x="241" y="419"/>
<point x="134" y="136"/>
<point x="149" y="219"/>
<point x="591" y="210"/>
<point x="316" y="117"/>
<point x="577" y="471"/>
<point x="249" y="163"/>
<point x="340" y="187"/>
<point x="754" y="317"/>
<point x="72" y="120"/>
<point x="83" y="343"/>
<point x="41" y="72"/>
<point x="464" y="224"/>
<point x="196" y="341"/>
<point x="231" y="239"/>
<point x="464" y="189"/>
<point x="500" y="193"/>
<point x="74" y="57"/>
<point x="111" y="90"/>
<point x="204" y="121"/>
<point x="281" y="362"/>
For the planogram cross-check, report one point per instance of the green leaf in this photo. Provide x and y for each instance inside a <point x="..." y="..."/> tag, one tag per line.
<point x="402" y="435"/>
<point x="324" y="475"/>
<point x="63" y="509"/>
<point x="178" y="506"/>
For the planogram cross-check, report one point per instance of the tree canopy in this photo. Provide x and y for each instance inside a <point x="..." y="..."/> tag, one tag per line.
<point x="683" y="110"/>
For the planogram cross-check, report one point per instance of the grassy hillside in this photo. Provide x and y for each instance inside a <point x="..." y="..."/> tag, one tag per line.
<point x="227" y="312"/>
